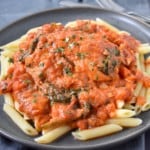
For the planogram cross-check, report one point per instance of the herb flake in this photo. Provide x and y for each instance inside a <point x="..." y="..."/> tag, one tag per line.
<point x="41" y="76"/>
<point x="34" y="100"/>
<point x="59" y="50"/>
<point x="11" y="60"/>
<point x="27" y="81"/>
<point x="81" y="55"/>
<point x="68" y="71"/>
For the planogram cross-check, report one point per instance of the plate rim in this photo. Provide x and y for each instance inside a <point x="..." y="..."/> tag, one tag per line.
<point x="73" y="7"/>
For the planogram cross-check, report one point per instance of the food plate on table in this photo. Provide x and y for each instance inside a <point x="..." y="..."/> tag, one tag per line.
<point x="122" y="22"/>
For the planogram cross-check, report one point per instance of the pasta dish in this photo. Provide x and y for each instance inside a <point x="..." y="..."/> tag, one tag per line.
<point x="87" y="76"/>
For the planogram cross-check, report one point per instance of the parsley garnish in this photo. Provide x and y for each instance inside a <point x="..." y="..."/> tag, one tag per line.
<point x="27" y="81"/>
<point x="81" y="38"/>
<point x="67" y="71"/>
<point x="81" y="55"/>
<point x="41" y="76"/>
<point x="34" y="100"/>
<point x="10" y="60"/>
<point x="117" y="52"/>
<point x="73" y="36"/>
<point x="59" y="50"/>
<point x="87" y="105"/>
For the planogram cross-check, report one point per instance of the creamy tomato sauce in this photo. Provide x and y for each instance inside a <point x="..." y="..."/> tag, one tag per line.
<point x="73" y="75"/>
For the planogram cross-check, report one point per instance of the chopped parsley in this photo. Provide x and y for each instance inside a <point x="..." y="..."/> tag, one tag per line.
<point x="41" y="76"/>
<point x="67" y="71"/>
<point x="59" y="50"/>
<point x="96" y="77"/>
<point x="61" y="95"/>
<point x="114" y="63"/>
<point x="27" y="81"/>
<point x="113" y="51"/>
<point x="87" y="105"/>
<point x="10" y="60"/>
<point x="35" y="95"/>
<point x="34" y="44"/>
<point x="117" y="52"/>
<point x="81" y="55"/>
<point x="73" y="36"/>
<point x="23" y="55"/>
<point x="81" y="38"/>
<point x="34" y="100"/>
<point x="1" y="49"/>
<point x="28" y="65"/>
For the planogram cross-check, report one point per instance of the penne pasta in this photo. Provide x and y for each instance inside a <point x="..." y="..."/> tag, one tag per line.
<point x="142" y="63"/>
<point x="138" y="88"/>
<point x="124" y="32"/>
<point x="147" y="95"/>
<point x="11" y="46"/>
<point x="125" y="122"/>
<point x="111" y="27"/>
<point x="138" y="109"/>
<point x="137" y="55"/>
<point x="139" y="60"/>
<point x="9" y="53"/>
<point x="142" y="92"/>
<point x="129" y="106"/>
<point x="146" y="106"/>
<point x="8" y="99"/>
<point x="147" y="67"/>
<point x="4" y="66"/>
<point x="46" y="130"/>
<point x="144" y="49"/>
<point x="145" y="44"/>
<point x="96" y="132"/>
<point x="124" y="113"/>
<point x="19" y="120"/>
<point x="102" y="22"/>
<point x="53" y="135"/>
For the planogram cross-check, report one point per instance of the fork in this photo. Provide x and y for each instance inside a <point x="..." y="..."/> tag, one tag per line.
<point x="110" y="4"/>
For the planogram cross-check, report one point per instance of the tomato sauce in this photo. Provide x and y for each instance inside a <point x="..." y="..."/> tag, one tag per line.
<point x="72" y="75"/>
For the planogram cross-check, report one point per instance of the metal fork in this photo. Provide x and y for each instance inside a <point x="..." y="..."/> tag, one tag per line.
<point x="110" y="4"/>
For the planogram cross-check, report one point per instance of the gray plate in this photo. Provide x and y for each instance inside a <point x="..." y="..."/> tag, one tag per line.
<point x="138" y="29"/>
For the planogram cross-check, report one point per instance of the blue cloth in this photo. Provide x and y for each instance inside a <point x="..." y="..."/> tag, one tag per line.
<point x="11" y="10"/>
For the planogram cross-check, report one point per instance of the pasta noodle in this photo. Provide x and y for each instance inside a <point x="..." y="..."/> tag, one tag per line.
<point x="102" y="22"/>
<point x="124" y="113"/>
<point x="144" y="49"/>
<point x="19" y="120"/>
<point x="125" y="122"/>
<point x="97" y="132"/>
<point x="52" y="135"/>
<point x="146" y="106"/>
<point x="8" y="99"/>
<point x="87" y="75"/>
